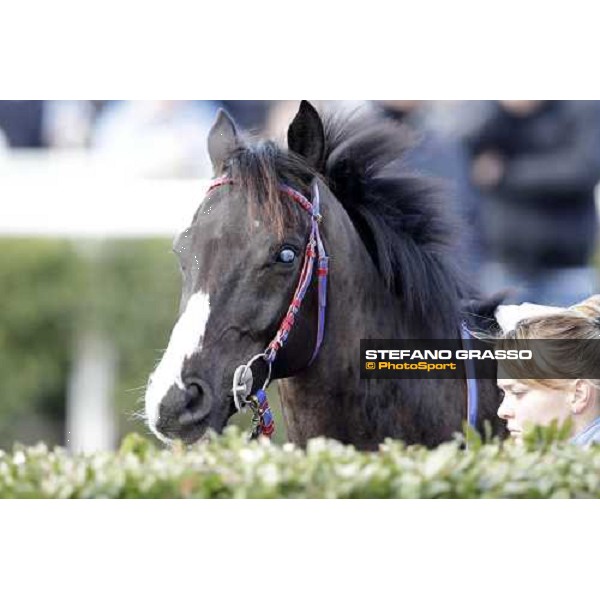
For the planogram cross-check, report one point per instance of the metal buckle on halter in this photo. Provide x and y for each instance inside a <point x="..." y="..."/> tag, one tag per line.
<point x="243" y="380"/>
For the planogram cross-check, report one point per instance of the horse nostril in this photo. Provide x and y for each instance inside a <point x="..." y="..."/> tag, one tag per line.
<point x="196" y="404"/>
<point x="193" y="396"/>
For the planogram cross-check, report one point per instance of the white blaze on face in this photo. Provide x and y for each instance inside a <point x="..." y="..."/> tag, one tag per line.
<point x="186" y="339"/>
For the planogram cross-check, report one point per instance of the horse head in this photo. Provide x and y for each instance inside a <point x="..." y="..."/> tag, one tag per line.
<point x="241" y="261"/>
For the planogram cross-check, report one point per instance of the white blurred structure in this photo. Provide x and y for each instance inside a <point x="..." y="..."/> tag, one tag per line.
<point x="90" y="408"/>
<point x="78" y="195"/>
<point x="158" y="137"/>
<point x="89" y="200"/>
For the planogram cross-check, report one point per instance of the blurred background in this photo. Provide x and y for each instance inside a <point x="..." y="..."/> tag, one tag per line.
<point x="92" y="193"/>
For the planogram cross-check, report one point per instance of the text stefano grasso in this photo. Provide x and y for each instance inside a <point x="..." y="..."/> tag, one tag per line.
<point x="461" y="354"/>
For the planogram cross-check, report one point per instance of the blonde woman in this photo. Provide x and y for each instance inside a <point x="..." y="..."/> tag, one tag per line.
<point x="534" y="401"/>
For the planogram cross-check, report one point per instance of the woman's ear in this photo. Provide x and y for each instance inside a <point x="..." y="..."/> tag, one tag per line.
<point x="582" y="397"/>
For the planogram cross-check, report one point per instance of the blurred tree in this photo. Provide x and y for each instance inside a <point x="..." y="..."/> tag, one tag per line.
<point x="39" y="292"/>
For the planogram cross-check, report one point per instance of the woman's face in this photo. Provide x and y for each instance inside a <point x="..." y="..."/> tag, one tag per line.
<point x="524" y="406"/>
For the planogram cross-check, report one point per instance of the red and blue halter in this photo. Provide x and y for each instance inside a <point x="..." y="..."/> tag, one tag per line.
<point x="315" y="251"/>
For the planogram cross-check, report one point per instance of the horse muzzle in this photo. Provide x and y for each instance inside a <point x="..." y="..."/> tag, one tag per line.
<point x="184" y="414"/>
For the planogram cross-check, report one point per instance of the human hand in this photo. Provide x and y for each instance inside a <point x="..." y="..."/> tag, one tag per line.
<point x="509" y="315"/>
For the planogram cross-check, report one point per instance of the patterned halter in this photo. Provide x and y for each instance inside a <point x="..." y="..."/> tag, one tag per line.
<point x="315" y="251"/>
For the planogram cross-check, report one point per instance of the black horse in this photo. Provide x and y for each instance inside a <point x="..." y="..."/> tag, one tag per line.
<point x="392" y="274"/>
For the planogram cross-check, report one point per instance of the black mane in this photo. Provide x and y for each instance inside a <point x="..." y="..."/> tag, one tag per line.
<point x="401" y="218"/>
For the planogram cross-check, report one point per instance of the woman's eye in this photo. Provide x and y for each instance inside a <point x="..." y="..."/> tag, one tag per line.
<point x="286" y="255"/>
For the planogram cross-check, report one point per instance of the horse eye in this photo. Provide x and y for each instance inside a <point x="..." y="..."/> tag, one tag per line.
<point x="286" y="255"/>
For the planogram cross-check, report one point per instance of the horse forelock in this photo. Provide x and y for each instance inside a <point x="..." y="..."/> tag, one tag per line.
<point x="257" y="170"/>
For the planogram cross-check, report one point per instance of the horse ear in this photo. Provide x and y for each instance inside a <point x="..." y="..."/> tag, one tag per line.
<point x="306" y="135"/>
<point x="222" y="140"/>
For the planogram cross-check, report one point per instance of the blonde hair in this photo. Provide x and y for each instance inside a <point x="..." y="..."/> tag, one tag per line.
<point x="578" y="322"/>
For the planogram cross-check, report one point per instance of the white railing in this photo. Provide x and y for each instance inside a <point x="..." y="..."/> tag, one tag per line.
<point x="73" y="195"/>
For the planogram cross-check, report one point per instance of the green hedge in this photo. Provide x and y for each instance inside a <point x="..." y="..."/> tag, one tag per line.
<point x="231" y="467"/>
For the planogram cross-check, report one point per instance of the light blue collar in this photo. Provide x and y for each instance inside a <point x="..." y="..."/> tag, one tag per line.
<point x="589" y="435"/>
